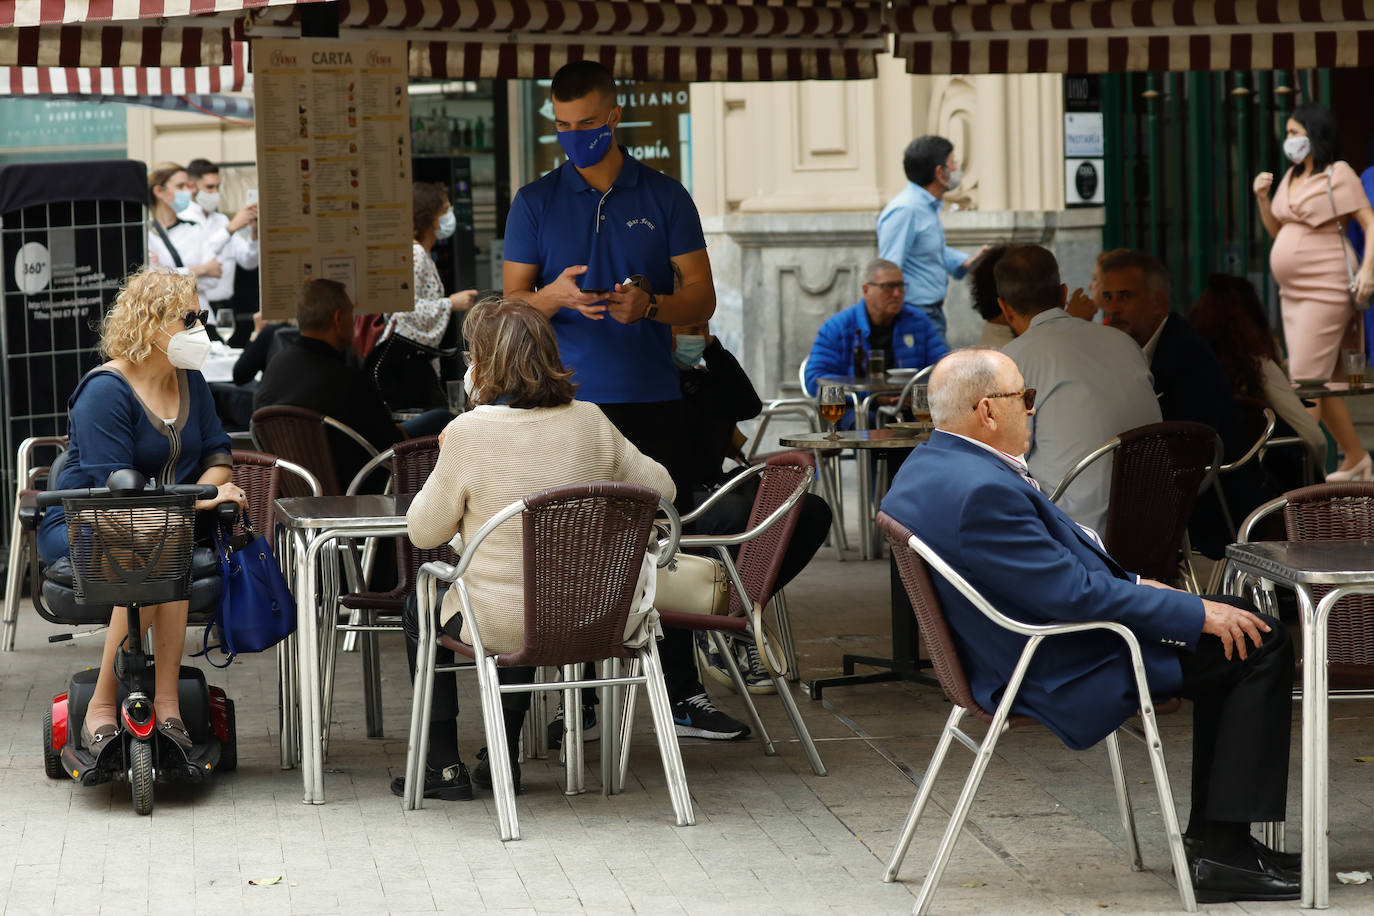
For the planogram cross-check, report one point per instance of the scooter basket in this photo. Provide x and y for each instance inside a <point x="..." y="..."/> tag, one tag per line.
<point x="126" y="550"/>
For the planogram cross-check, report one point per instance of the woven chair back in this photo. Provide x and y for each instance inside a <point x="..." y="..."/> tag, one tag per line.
<point x="930" y="617"/>
<point x="412" y="462"/>
<point x="298" y="435"/>
<point x="1339" y="511"/>
<point x="761" y="558"/>
<point x="1156" y="473"/>
<point x="584" y="546"/>
<point x="257" y="475"/>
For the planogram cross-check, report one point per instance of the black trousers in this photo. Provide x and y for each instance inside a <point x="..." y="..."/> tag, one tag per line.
<point x="1242" y="720"/>
<point x="658" y="429"/>
<point x="443" y="714"/>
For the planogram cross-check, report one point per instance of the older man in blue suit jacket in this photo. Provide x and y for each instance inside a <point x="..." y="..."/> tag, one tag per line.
<point x="968" y="495"/>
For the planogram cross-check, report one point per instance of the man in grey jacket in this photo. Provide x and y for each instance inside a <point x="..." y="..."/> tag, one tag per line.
<point x="1092" y="382"/>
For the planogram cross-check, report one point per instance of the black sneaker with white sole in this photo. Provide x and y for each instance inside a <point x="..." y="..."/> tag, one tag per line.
<point x="590" y="729"/>
<point x="697" y="717"/>
<point x="450" y="784"/>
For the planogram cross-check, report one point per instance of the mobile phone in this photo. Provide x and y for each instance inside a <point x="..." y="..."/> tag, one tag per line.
<point x="250" y="196"/>
<point x="598" y="292"/>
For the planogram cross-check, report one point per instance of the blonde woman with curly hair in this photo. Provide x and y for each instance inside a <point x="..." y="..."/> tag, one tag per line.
<point x="150" y="409"/>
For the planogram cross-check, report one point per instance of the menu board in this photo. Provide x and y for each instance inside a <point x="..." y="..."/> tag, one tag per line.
<point x="333" y="134"/>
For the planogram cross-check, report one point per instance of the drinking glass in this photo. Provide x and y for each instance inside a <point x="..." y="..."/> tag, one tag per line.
<point x="832" y="406"/>
<point x="224" y="324"/>
<point x="877" y="364"/>
<point x="1354" y="368"/>
<point x="920" y="403"/>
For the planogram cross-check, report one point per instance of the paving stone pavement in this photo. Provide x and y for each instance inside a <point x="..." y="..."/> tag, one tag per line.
<point x="770" y="836"/>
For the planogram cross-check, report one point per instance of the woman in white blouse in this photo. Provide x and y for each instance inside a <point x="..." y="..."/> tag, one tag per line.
<point x="433" y="222"/>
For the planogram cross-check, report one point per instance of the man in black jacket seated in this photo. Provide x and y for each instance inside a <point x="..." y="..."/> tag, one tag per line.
<point x="312" y="373"/>
<point x="717" y="394"/>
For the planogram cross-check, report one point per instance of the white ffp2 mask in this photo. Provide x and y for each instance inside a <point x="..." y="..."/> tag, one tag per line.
<point x="189" y="349"/>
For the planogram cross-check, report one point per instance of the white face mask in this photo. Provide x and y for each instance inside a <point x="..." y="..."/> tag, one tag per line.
<point x="1297" y="149"/>
<point x="955" y="176"/>
<point x="189" y="349"/>
<point x="448" y="224"/>
<point x="208" y="200"/>
<point x="467" y="385"/>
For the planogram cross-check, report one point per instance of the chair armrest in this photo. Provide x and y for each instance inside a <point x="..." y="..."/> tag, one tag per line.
<point x="366" y="470"/>
<point x="1258" y="515"/>
<point x="732" y="540"/>
<point x="730" y="485"/>
<point x="1082" y="466"/>
<point x="1255" y="448"/>
<point x="310" y="479"/>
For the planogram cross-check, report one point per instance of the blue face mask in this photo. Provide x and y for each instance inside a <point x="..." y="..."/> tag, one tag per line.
<point x="585" y="148"/>
<point x="181" y="200"/>
<point x="689" y="350"/>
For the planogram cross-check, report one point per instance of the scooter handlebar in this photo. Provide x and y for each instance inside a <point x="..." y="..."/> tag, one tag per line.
<point x="198" y="490"/>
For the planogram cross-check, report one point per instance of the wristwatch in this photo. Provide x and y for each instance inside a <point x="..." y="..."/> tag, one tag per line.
<point x="642" y="282"/>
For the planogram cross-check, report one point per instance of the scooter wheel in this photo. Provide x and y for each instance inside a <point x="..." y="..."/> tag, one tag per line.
<point x="52" y="760"/>
<point x="141" y="775"/>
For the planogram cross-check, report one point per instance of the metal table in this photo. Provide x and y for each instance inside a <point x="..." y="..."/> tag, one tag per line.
<point x="905" y="664"/>
<point x="1348" y="567"/>
<point x="903" y="436"/>
<point x="1316" y="392"/>
<point x="313" y="522"/>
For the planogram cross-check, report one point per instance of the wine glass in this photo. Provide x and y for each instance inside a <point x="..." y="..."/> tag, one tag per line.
<point x="832" y="406"/>
<point x="224" y="324"/>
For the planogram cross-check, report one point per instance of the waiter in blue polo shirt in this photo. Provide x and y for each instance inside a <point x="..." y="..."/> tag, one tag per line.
<point x="613" y="253"/>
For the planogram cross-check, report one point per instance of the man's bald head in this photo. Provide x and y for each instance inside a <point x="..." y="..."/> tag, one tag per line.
<point x="968" y="395"/>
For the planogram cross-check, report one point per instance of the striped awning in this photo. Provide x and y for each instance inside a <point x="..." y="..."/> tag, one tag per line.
<point x="676" y="40"/>
<point x="1101" y="36"/>
<point x="130" y="81"/>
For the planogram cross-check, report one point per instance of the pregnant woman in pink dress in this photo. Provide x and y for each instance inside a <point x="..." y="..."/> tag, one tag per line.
<point x="1308" y="259"/>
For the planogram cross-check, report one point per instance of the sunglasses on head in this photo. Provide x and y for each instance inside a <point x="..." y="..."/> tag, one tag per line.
<point x="190" y="319"/>
<point x="1027" y="397"/>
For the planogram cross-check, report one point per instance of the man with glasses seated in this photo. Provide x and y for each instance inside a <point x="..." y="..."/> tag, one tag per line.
<point x="968" y="495"/>
<point x="881" y="321"/>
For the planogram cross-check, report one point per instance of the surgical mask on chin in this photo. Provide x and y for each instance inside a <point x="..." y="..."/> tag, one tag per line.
<point x="181" y="200"/>
<point x="468" y="386"/>
<point x="689" y="349"/>
<point x="189" y="349"/>
<point x="1297" y="149"/>
<point x="208" y="201"/>
<point x="955" y="176"/>
<point x="585" y="148"/>
<point x="448" y="224"/>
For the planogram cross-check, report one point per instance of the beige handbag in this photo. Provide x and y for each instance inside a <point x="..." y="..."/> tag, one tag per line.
<point x="692" y="584"/>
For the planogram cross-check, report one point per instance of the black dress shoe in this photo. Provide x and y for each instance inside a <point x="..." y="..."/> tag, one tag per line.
<point x="1282" y="861"/>
<point x="1214" y="882"/>
<point x="450" y="783"/>
<point x="482" y="775"/>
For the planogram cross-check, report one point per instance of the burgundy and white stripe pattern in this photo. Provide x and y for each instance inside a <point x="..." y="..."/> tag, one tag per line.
<point x="27" y="13"/>
<point x="644" y="39"/>
<point x="1100" y="36"/>
<point x="120" y="81"/>
<point x="678" y="40"/>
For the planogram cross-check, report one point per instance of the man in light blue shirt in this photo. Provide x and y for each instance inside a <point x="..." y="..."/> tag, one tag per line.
<point x="909" y="229"/>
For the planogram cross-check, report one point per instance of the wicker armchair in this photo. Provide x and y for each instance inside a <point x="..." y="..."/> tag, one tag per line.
<point x="914" y="562"/>
<point x="584" y="548"/>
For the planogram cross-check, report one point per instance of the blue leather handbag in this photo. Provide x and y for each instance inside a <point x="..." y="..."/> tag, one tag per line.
<point x="256" y="609"/>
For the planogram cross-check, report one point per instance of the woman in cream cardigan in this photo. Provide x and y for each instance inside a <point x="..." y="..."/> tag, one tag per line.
<point x="526" y="434"/>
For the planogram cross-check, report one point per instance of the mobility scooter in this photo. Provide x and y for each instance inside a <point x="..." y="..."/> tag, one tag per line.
<point x="132" y="545"/>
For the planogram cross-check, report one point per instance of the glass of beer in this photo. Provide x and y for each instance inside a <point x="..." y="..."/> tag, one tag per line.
<point x="1354" y="368"/>
<point x="877" y="364"/>
<point x="920" y="403"/>
<point x="832" y="406"/>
